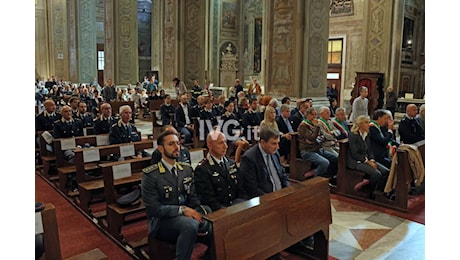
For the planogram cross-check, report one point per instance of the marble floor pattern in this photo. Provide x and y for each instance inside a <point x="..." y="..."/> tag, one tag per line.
<point x="360" y="233"/>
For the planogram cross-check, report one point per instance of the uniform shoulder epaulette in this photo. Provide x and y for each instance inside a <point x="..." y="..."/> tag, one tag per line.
<point x="203" y="161"/>
<point x="185" y="164"/>
<point x="150" y="168"/>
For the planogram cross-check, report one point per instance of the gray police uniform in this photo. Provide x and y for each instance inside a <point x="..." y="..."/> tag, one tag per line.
<point x="163" y="193"/>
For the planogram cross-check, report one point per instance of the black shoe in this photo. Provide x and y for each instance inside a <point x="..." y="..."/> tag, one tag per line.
<point x="333" y="182"/>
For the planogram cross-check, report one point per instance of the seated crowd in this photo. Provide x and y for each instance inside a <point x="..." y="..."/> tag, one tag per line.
<point x="248" y="142"/>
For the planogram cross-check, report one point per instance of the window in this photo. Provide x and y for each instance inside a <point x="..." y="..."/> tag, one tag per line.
<point x="100" y="60"/>
<point x="334" y="51"/>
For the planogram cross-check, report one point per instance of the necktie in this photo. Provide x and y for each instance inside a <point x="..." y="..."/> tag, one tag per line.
<point x="222" y="165"/>
<point x="288" y="124"/>
<point x="273" y="174"/>
<point x="173" y="171"/>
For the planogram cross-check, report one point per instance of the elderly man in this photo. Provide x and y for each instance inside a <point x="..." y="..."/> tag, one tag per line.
<point x="103" y="122"/>
<point x="217" y="180"/>
<point x="45" y="120"/>
<point x="123" y="131"/>
<point x="410" y="130"/>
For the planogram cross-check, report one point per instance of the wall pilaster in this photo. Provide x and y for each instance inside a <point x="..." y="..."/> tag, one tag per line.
<point x="58" y="41"/>
<point x="86" y="40"/>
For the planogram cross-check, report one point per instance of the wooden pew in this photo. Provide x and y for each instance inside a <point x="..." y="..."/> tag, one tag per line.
<point x="66" y="169"/>
<point x="47" y="157"/>
<point x="92" y="186"/>
<point x="51" y="242"/>
<point x="348" y="178"/>
<point x="116" y="215"/>
<point x="265" y="225"/>
<point x="297" y="165"/>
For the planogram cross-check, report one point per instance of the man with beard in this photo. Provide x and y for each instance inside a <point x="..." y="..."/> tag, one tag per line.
<point x="169" y="196"/>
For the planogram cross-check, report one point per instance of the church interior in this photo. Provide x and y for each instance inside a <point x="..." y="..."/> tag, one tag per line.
<point x="293" y="48"/>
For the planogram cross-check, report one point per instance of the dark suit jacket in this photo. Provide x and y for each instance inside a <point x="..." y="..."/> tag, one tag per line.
<point x="180" y="116"/>
<point x="161" y="191"/>
<point x="284" y="143"/>
<point x="255" y="175"/>
<point x="378" y="144"/>
<point x="165" y="112"/>
<point x="410" y="131"/>
<point x="358" y="150"/>
<point x="119" y="135"/>
<point x="296" y="119"/>
<point x="63" y="130"/>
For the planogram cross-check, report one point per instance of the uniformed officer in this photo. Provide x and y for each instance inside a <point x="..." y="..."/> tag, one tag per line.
<point x="197" y="90"/>
<point x="123" y="131"/>
<point x="216" y="177"/>
<point x="103" y="122"/>
<point x="45" y="120"/>
<point x="67" y="126"/>
<point x="84" y="116"/>
<point x="184" y="153"/>
<point x="169" y="196"/>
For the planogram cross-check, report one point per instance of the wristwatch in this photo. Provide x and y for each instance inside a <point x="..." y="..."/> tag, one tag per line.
<point x="182" y="210"/>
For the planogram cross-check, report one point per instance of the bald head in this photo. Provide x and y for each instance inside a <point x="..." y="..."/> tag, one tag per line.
<point x="217" y="143"/>
<point x="411" y="110"/>
<point x="50" y="106"/>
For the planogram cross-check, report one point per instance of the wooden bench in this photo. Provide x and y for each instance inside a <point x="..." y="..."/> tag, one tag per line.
<point x="65" y="170"/>
<point x="51" y="242"/>
<point x="348" y="178"/>
<point x="47" y="158"/>
<point x="297" y="165"/>
<point x="117" y="215"/>
<point x="92" y="186"/>
<point x="265" y="225"/>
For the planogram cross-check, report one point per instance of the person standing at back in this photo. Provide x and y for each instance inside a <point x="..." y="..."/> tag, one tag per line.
<point x="180" y="87"/>
<point x="360" y="103"/>
<point x="109" y="92"/>
<point x="391" y="100"/>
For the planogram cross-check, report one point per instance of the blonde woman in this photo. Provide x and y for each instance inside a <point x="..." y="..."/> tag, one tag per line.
<point x="361" y="158"/>
<point x="269" y="119"/>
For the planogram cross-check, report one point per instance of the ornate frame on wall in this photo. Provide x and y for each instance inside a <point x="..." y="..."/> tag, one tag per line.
<point x="229" y="11"/>
<point x="341" y="8"/>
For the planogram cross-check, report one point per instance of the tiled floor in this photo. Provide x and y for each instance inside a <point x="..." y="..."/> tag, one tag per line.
<point x="359" y="233"/>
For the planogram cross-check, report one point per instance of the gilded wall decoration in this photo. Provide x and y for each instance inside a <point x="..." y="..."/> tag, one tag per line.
<point x="193" y="65"/>
<point x="169" y="41"/>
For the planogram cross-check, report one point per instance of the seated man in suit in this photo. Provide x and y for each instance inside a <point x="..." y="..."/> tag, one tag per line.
<point x="184" y="122"/>
<point x="410" y="130"/>
<point x="166" y="109"/>
<point x="284" y="125"/>
<point x="217" y="180"/>
<point x="328" y="130"/>
<point x="103" y="122"/>
<point x="299" y="116"/>
<point x="261" y="168"/>
<point x="341" y="124"/>
<point x="169" y="195"/>
<point x="381" y="134"/>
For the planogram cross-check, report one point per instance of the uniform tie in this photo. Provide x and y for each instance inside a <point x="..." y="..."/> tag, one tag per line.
<point x="222" y="165"/>
<point x="173" y="171"/>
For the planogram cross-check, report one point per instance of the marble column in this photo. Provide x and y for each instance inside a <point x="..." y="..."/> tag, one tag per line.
<point x="58" y="41"/>
<point x="170" y="46"/>
<point x="314" y="64"/>
<point x="42" y="69"/>
<point x="296" y="38"/>
<point x="72" y="36"/>
<point x="109" y="43"/>
<point x="191" y="47"/>
<point x="156" y="30"/>
<point x="86" y="36"/>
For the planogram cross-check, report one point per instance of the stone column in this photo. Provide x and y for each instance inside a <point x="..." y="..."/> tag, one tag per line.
<point x="156" y="40"/>
<point x="109" y="44"/>
<point x="191" y="47"/>
<point x="42" y="69"/>
<point x="316" y="37"/>
<point x="58" y="43"/>
<point x="126" y="63"/>
<point x="86" y="36"/>
<point x="72" y="36"/>
<point x="170" y="43"/>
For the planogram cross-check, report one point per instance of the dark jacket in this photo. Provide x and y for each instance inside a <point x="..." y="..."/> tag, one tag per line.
<point x="102" y="125"/>
<point x="255" y="175"/>
<point x="45" y="123"/>
<point x="410" y="131"/>
<point x="379" y="138"/>
<point x="63" y="129"/>
<point x="358" y="150"/>
<point x="119" y="134"/>
<point x="218" y="187"/>
<point x="180" y="116"/>
<point x="296" y="119"/>
<point x="165" y="112"/>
